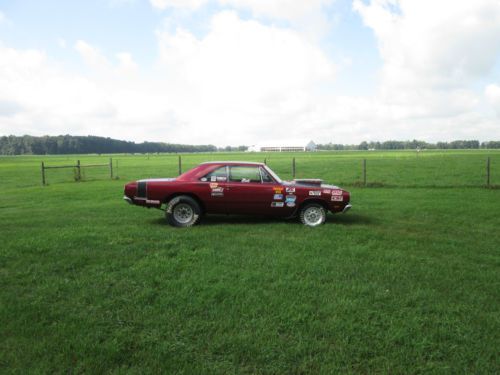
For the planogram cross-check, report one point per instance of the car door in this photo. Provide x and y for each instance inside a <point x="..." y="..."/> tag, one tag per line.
<point x="211" y="188"/>
<point x="247" y="192"/>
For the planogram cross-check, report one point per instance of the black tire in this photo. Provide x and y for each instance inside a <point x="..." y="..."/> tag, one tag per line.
<point x="312" y="214"/>
<point x="183" y="211"/>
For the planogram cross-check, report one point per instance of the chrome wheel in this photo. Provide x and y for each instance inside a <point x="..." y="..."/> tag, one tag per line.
<point x="313" y="215"/>
<point x="183" y="213"/>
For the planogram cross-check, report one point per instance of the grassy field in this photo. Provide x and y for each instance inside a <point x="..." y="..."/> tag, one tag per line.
<point x="407" y="282"/>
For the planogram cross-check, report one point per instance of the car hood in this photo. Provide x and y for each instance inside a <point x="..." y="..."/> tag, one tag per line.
<point x="157" y="180"/>
<point x="311" y="183"/>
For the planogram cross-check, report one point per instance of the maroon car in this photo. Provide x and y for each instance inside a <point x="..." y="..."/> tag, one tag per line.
<point x="230" y="187"/>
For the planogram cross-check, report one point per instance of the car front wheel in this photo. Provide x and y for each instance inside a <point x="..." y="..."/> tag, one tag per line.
<point x="312" y="214"/>
<point x="183" y="211"/>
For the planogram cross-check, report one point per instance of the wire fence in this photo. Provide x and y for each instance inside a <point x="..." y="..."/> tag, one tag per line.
<point x="380" y="170"/>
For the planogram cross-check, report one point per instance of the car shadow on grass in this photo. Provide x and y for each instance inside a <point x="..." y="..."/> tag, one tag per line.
<point x="209" y="220"/>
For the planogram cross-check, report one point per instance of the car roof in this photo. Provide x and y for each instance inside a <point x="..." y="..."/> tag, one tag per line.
<point x="233" y="162"/>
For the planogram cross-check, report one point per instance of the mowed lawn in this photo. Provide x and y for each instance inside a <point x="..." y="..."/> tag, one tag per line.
<point x="407" y="282"/>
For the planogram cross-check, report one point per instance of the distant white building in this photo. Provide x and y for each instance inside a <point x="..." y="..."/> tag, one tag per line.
<point x="284" y="147"/>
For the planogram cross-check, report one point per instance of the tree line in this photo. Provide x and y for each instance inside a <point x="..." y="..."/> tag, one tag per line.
<point x="412" y="145"/>
<point x="68" y="144"/>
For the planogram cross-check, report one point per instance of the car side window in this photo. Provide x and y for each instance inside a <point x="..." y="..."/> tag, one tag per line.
<point x="244" y="174"/>
<point x="266" y="178"/>
<point x="219" y="174"/>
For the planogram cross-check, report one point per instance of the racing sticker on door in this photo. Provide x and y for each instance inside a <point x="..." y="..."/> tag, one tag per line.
<point x="216" y="190"/>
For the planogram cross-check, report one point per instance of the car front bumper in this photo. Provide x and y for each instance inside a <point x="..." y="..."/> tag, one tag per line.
<point x="346" y="208"/>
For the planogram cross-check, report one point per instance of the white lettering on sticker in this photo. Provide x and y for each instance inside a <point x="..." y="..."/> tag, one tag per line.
<point x="336" y="192"/>
<point x="277" y="204"/>
<point x="315" y="192"/>
<point x="337" y="198"/>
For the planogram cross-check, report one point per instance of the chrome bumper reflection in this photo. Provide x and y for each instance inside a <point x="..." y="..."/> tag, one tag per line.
<point x="346" y="208"/>
<point x="127" y="199"/>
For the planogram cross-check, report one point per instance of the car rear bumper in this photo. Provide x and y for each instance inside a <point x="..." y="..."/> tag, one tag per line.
<point x="346" y="208"/>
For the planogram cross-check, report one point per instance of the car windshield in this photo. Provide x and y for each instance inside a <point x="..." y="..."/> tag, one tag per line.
<point x="274" y="175"/>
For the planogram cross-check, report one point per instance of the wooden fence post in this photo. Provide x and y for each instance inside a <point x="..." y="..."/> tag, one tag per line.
<point x="293" y="168"/>
<point x="111" y="167"/>
<point x="43" y="174"/>
<point x="180" y="166"/>
<point x="364" y="172"/>
<point x="78" y="171"/>
<point x="488" y="165"/>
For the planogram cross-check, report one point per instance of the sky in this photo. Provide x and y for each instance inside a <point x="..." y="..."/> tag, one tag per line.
<point x="244" y="72"/>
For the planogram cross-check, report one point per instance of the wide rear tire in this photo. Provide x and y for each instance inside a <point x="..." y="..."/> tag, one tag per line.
<point x="312" y="214"/>
<point x="183" y="211"/>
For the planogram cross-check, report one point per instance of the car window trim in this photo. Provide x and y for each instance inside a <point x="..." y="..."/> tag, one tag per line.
<point x="243" y="166"/>
<point x="226" y="168"/>
<point x="262" y="170"/>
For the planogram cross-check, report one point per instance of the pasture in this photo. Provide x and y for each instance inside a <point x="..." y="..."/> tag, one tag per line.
<point x="407" y="282"/>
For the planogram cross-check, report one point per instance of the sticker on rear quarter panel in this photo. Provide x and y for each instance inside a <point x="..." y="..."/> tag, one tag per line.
<point x="278" y="197"/>
<point x="290" y="190"/>
<point x="315" y="192"/>
<point x="336" y="192"/>
<point x="277" y="204"/>
<point x="337" y="198"/>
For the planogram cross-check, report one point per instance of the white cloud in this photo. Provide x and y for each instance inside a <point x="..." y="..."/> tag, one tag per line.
<point x="492" y="93"/>
<point x="445" y="44"/>
<point x="433" y="54"/>
<point x="91" y="55"/>
<point x="46" y="99"/>
<point x="285" y="9"/>
<point x="190" y="4"/>
<point x="126" y="63"/>
<point x="3" y="19"/>
<point x="61" y="42"/>
<point x="241" y="75"/>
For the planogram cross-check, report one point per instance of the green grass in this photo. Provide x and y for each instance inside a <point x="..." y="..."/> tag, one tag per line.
<point x="407" y="282"/>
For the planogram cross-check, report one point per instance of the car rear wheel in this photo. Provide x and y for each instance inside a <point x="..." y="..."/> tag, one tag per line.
<point x="183" y="211"/>
<point x="312" y="214"/>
